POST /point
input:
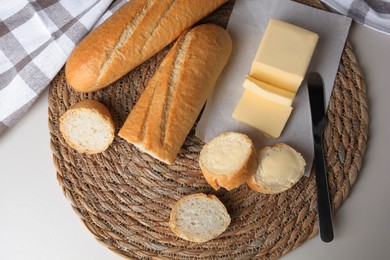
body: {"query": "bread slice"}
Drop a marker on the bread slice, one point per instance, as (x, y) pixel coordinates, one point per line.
(87, 127)
(228, 160)
(279, 168)
(199, 218)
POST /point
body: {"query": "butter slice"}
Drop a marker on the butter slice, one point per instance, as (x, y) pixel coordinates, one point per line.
(267, 116)
(284, 55)
(268, 91)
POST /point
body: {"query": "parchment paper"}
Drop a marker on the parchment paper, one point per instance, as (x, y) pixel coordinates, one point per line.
(246, 26)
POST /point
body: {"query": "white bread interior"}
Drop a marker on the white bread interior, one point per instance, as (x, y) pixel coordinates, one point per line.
(279, 168)
(87, 127)
(199, 218)
(228, 160)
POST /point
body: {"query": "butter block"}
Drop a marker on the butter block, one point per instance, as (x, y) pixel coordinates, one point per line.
(284, 55)
(268, 91)
(267, 116)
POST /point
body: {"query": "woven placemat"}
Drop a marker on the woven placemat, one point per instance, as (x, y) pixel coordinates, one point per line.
(124, 197)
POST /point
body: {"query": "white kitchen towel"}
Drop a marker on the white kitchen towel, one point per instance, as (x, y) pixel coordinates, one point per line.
(36, 38)
(372, 13)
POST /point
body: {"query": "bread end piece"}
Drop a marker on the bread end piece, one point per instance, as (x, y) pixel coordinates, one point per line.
(87, 127)
(228, 160)
(199, 218)
(279, 168)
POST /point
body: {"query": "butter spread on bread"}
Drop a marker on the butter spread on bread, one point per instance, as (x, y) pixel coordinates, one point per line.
(228, 160)
(133, 34)
(279, 168)
(167, 109)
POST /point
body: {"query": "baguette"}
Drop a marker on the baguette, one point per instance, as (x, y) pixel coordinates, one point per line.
(133, 34)
(228, 160)
(167, 109)
(87, 127)
(279, 168)
(199, 218)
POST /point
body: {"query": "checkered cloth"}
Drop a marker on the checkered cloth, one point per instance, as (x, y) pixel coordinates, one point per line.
(372, 13)
(36, 38)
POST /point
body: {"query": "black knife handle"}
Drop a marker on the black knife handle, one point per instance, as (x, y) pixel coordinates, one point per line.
(324, 208)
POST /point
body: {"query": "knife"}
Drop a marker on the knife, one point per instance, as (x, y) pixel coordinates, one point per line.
(317, 106)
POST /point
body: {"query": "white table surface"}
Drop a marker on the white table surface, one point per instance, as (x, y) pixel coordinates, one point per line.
(37, 222)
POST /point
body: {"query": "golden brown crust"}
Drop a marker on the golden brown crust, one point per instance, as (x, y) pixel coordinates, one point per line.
(263, 189)
(236, 179)
(137, 31)
(175, 95)
(96, 107)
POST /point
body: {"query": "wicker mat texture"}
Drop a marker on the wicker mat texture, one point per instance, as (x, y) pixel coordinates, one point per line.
(124, 197)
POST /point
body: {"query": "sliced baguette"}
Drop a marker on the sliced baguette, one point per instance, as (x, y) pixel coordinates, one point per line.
(167, 109)
(279, 168)
(199, 218)
(87, 127)
(133, 34)
(228, 160)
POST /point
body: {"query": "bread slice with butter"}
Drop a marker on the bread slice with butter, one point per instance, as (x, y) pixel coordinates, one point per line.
(87, 127)
(199, 218)
(228, 160)
(279, 168)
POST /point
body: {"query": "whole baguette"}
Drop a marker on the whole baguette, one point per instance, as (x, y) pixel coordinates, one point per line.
(167, 109)
(133, 34)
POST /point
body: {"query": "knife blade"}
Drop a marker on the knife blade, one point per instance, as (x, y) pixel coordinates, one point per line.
(317, 106)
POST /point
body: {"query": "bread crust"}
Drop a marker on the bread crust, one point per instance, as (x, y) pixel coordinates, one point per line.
(236, 179)
(176, 207)
(133, 34)
(251, 182)
(96, 107)
(167, 109)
